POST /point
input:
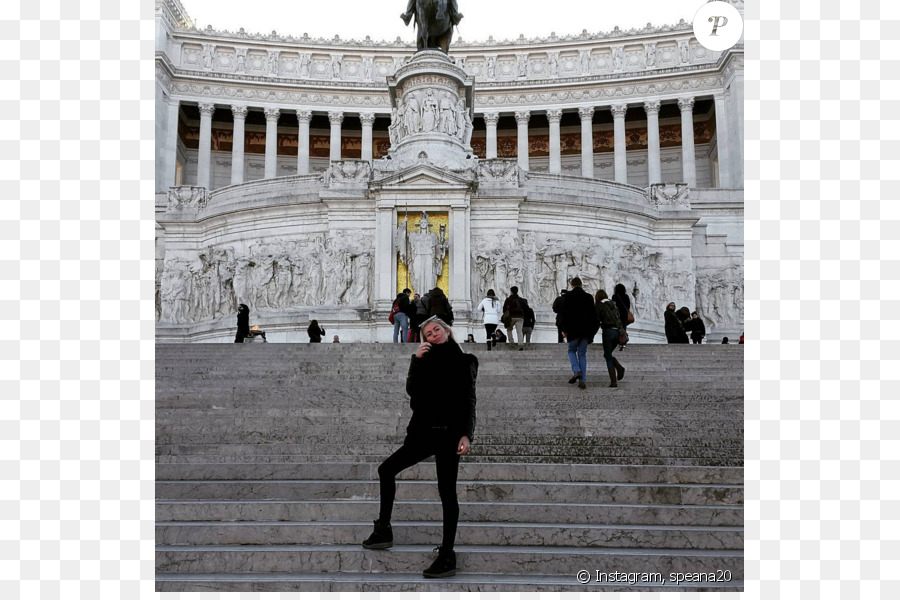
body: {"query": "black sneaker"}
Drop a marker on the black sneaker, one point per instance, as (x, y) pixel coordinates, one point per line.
(575, 377)
(381, 538)
(443, 566)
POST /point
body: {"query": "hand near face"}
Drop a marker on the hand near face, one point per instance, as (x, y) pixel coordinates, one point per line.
(423, 348)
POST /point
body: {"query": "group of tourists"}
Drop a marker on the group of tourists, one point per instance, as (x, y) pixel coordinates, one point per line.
(679, 322)
(409, 312)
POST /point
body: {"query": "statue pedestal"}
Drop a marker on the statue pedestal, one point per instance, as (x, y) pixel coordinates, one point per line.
(432, 101)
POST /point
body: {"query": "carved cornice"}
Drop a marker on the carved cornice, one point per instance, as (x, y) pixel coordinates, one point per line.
(495, 45)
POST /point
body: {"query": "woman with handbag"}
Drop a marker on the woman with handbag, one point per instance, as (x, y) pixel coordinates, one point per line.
(608, 315)
(626, 317)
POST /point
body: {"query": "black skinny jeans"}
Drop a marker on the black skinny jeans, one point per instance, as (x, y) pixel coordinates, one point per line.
(416, 448)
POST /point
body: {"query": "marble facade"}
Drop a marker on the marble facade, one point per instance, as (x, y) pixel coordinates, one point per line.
(283, 164)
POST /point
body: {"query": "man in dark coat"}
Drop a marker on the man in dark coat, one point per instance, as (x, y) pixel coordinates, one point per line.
(557, 308)
(579, 324)
(698, 331)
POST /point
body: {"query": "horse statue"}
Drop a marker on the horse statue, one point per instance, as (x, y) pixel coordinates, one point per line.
(435, 20)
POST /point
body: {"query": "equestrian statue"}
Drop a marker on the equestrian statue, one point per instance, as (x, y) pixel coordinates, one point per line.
(435, 20)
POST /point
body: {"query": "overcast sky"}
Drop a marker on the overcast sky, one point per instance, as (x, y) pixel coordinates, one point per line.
(504, 19)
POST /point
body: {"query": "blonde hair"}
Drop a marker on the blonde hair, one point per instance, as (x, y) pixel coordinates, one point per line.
(437, 320)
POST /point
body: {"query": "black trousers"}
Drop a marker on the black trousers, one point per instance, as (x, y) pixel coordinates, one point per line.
(416, 448)
(490, 328)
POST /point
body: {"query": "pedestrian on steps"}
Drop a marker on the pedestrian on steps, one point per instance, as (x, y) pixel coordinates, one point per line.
(315, 332)
(492, 309)
(579, 325)
(243, 324)
(441, 388)
(610, 324)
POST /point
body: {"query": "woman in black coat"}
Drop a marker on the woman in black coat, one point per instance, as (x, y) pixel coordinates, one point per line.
(316, 332)
(623, 303)
(243, 323)
(441, 388)
(674, 329)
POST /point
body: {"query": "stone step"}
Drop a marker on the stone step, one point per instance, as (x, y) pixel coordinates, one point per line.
(717, 461)
(428, 532)
(467, 471)
(414, 582)
(468, 490)
(411, 559)
(420, 510)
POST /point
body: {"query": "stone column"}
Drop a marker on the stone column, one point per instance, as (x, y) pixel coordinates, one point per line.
(334, 146)
(385, 255)
(654, 168)
(272, 115)
(554, 116)
(367, 120)
(237, 144)
(618, 112)
(723, 141)
(688, 161)
(522, 145)
(587, 140)
(170, 151)
(303, 119)
(204, 156)
(736, 101)
(490, 121)
(459, 251)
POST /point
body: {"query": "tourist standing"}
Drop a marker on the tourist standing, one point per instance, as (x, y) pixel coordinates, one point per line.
(437, 305)
(623, 303)
(243, 323)
(315, 332)
(515, 308)
(420, 315)
(528, 323)
(441, 388)
(674, 329)
(579, 323)
(491, 310)
(557, 308)
(610, 323)
(401, 319)
(698, 330)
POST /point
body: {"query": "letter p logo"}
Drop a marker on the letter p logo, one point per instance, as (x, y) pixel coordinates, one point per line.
(718, 26)
(717, 21)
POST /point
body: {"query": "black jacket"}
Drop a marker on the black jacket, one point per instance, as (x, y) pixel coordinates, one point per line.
(243, 321)
(438, 305)
(441, 388)
(578, 316)
(557, 308)
(530, 319)
(608, 315)
(315, 335)
(674, 329)
(515, 305)
(623, 303)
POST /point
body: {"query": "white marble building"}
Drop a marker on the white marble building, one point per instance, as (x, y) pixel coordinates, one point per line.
(283, 170)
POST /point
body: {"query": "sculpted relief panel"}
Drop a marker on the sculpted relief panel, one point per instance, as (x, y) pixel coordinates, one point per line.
(541, 265)
(277, 274)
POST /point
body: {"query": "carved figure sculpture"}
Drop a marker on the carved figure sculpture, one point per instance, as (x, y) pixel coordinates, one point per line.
(336, 66)
(522, 65)
(435, 20)
(413, 124)
(554, 65)
(684, 51)
(367, 68)
(423, 252)
(429, 112)
(619, 58)
(650, 58)
(304, 65)
(491, 66)
(448, 118)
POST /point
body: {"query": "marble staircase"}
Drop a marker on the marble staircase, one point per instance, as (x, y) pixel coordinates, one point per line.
(267, 457)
